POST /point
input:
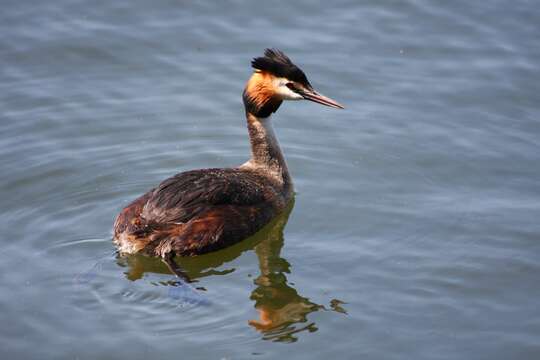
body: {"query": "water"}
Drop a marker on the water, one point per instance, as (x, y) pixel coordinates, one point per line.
(414, 233)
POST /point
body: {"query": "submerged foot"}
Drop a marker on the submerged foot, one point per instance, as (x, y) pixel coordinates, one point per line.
(175, 269)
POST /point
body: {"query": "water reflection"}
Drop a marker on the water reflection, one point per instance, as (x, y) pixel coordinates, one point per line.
(282, 311)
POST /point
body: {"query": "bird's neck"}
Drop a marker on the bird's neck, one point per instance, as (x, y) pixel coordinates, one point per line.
(266, 153)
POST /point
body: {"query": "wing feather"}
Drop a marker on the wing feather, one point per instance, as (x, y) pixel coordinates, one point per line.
(186, 195)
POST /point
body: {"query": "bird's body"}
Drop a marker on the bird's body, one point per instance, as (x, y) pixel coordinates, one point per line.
(199, 211)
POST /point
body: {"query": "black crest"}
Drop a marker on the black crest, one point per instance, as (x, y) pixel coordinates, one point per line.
(278, 64)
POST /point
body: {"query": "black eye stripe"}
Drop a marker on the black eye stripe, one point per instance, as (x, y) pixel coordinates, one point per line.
(295, 88)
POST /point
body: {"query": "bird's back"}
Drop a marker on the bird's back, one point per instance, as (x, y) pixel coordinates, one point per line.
(198, 211)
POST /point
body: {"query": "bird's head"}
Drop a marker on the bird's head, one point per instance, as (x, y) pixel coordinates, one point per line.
(277, 79)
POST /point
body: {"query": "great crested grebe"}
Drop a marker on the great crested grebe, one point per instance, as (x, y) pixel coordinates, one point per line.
(199, 211)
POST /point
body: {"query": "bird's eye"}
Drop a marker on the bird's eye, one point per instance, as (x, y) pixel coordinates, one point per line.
(291, 86)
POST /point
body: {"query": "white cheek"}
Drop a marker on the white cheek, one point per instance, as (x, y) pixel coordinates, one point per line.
(288, 94)
(284, 92)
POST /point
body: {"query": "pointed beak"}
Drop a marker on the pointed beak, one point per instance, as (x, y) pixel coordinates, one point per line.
(314, 96)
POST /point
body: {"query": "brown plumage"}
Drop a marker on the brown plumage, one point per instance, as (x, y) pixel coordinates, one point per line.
(199, 211)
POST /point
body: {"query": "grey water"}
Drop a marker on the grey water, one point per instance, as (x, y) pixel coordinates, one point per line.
(415, 231)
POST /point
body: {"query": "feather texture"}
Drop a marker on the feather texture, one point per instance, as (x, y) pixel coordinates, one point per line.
(198, 211)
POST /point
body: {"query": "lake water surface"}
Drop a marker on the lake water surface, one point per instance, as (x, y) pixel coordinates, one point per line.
(415, 231)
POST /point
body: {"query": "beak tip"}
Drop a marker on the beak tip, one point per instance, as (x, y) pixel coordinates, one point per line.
(336, 105)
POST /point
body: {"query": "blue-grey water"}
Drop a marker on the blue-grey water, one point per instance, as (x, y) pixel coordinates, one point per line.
(415, 232)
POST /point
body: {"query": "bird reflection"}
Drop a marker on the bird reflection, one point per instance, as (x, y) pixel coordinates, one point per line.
(282, 311)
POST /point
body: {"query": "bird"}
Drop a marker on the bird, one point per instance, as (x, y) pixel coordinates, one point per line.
(199, 211)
